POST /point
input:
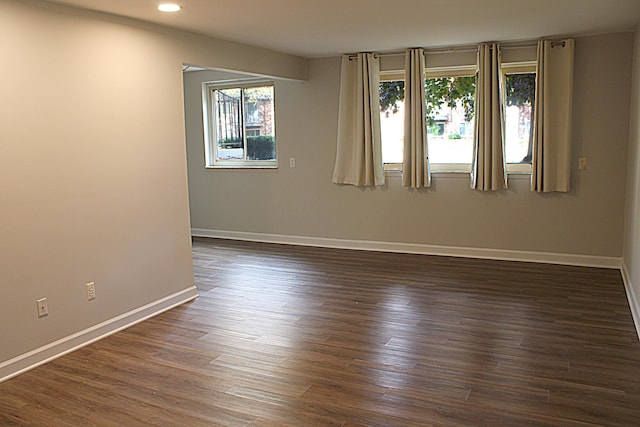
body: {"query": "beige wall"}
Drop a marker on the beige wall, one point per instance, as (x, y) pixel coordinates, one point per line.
(302, 201)
(632, 223)
(92, 165)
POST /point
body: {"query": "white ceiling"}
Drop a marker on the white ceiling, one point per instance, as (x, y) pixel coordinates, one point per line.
(317, 28)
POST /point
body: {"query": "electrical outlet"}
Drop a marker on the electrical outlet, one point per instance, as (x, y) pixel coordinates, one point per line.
(292, 162)
(43, 309)
(91, 290)
(582, 163)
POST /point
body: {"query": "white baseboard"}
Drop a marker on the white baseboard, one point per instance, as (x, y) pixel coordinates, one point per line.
(44, 354)
(416, 248)
(634, 302)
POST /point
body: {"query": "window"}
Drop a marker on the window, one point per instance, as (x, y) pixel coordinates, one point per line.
(240, 125)
(392, 122)
(450, 105)
(450, 96)
(450, 102)
(519, 86)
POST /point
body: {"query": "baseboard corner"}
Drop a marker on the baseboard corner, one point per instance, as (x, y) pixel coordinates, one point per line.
(634, 303)
(39, 356)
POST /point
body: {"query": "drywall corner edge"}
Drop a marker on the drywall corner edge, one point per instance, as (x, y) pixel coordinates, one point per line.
(44, 354)
(634, 303)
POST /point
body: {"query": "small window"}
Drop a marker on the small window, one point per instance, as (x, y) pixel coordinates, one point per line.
(520, 91)
(392, 123)
(240, 125)
(450, 101)
(450, 113)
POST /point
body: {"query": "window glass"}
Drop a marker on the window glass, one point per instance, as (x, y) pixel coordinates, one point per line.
(260, 142)
(519, 106)
(241, 126)
(229, 135)
(449, 119)
(450, 103)
(392, 120)
(450, 108)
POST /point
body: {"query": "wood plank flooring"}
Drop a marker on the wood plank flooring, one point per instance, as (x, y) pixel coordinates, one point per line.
(295, 336)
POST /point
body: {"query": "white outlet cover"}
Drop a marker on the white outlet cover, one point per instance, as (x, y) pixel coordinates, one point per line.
(43, 309)
(91, 290)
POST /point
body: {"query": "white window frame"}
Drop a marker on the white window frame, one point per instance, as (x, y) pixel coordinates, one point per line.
(209, 122)
(462, 71)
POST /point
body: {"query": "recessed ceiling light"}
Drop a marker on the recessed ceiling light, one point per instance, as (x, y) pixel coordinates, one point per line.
(169, 7)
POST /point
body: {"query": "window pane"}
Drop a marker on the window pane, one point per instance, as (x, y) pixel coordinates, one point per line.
(450, 110)
(392, 120)
(450, 114)
(229, 138)
(392, 128)
(258, 110)
(520, 94)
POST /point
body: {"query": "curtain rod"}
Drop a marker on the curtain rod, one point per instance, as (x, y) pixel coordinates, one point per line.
(378, 55)
(518, 46)
(462, 50)
(450, 51)
(475, 49)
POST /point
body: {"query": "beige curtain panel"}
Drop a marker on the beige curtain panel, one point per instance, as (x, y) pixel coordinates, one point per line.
(488, 171)
(551, 161)
(359, 147)
(415, 166)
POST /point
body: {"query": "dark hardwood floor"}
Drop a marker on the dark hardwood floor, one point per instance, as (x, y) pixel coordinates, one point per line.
(295, 336)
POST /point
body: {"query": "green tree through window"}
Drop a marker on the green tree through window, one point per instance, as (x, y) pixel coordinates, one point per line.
(520, 92)
(439, 92)
(460, 92)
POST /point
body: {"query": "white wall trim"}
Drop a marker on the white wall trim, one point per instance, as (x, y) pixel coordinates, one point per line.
(46, 353)
(634, 302)
(417, 248)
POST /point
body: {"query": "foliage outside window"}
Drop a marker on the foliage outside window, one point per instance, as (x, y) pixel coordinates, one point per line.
(450, 110)
(240, 125)
(520, 89)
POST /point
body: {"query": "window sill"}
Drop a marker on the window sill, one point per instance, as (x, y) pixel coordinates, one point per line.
(241, 167)
(460, 168)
